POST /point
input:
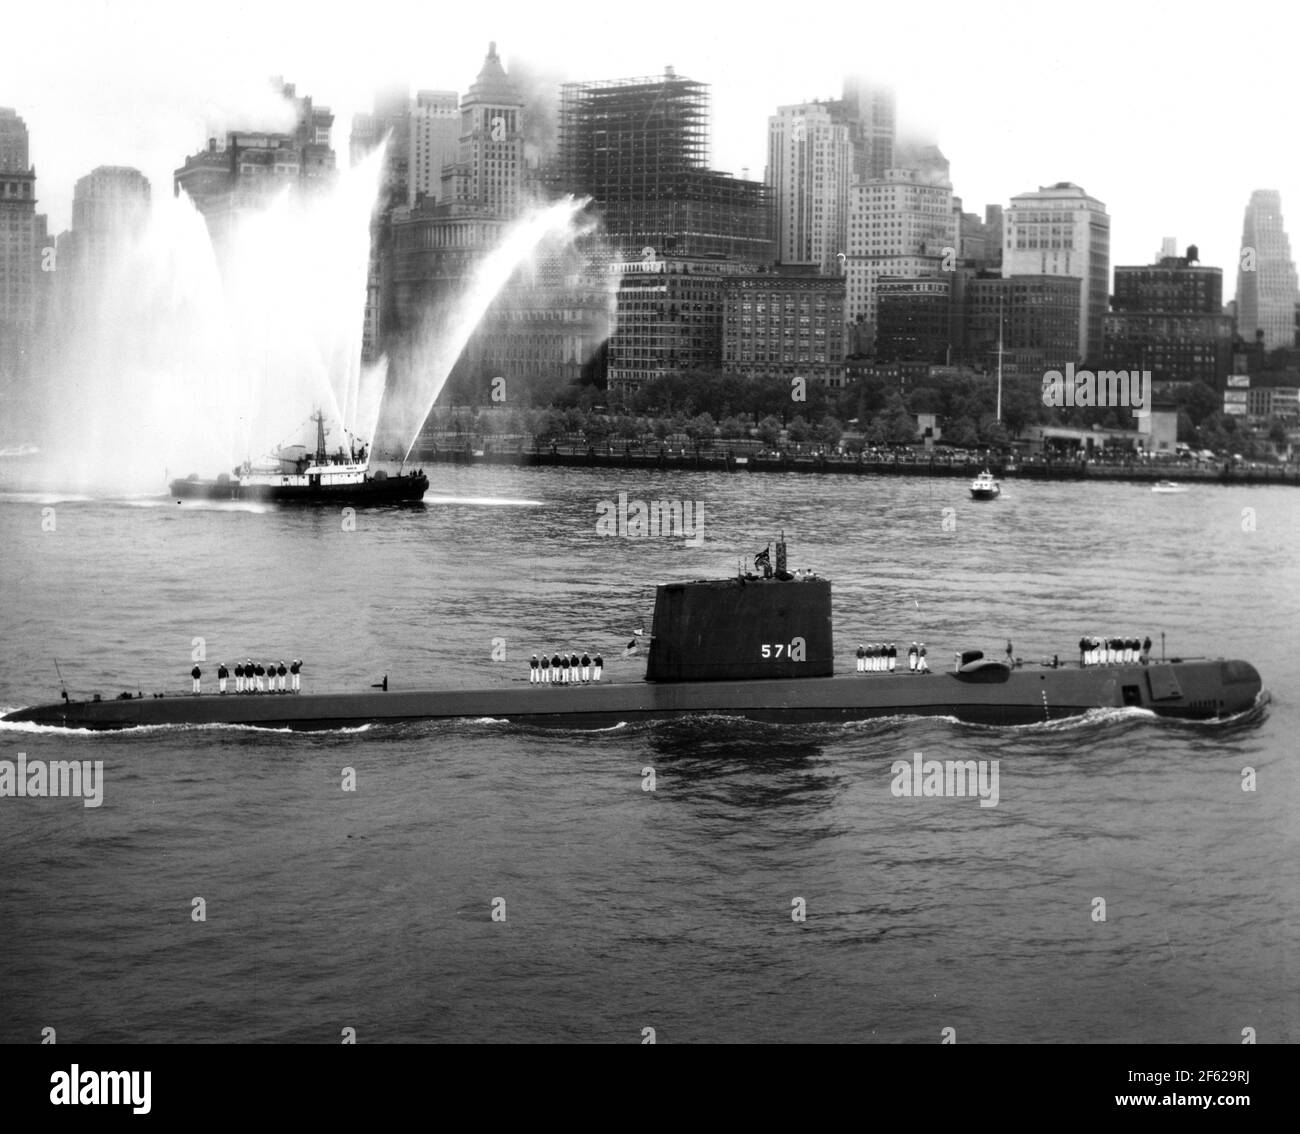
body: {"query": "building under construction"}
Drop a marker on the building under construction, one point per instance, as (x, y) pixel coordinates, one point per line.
(640, 149)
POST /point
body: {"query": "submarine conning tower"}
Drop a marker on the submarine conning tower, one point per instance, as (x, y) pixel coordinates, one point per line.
(753, 626)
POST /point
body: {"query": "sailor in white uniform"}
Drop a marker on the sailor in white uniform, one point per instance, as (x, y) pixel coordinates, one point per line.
(196, 673)
(862, 658)
(922, 666)
(597, 665)
(532, 670)
(911, 657)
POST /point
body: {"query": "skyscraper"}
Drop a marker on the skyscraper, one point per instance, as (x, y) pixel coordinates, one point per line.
(13, 141)
(640, 149)
(252, 167)
(389, 122)
(22, 238)
(434, 141)
(901, 226)
(1266, 275)
(809, 167)
(547, 321)
(110, 207)
(489, 169)
(869, 111)
(1060, 231)
(1168, 318)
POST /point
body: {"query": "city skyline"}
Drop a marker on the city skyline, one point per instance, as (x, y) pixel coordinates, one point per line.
(142, 85)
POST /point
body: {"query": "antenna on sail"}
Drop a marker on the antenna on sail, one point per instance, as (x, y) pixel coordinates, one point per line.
(63, 687)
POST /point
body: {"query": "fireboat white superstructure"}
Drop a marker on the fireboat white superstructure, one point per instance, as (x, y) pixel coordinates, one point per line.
(294, 475)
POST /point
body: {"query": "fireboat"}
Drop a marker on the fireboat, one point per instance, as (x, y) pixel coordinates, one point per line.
(295, 476)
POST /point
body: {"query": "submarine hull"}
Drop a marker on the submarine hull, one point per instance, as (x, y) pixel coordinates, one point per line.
(1192, 690)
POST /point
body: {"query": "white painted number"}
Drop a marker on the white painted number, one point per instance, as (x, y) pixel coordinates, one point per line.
(795, 651)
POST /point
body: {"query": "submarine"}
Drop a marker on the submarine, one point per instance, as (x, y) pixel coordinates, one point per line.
(754, 646)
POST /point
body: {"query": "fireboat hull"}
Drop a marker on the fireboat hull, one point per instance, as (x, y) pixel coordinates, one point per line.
(373, 490)
(1191, 690)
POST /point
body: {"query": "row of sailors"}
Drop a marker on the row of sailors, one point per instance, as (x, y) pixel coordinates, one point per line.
(881, 657)
(1102, 651)
(565, 669)
(249, 678)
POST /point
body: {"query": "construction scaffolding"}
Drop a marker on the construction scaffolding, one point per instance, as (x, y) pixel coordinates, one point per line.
(623, 138)
(640, 149)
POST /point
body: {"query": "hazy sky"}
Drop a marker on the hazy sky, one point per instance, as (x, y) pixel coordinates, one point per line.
(1169, 113)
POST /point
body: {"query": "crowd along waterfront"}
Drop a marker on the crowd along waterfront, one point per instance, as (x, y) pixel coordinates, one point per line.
(898, 461)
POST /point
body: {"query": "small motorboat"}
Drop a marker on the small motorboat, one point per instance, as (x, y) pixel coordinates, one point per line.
(1168, 486)
(984, 487)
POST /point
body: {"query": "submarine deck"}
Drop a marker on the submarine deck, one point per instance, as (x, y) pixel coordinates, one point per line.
(1199, 689)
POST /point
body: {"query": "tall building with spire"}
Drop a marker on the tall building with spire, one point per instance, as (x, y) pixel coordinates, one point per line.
(1059, 230)
(489, 170)
(1266, 274)
(809, 168)
(545, 323)
(22, 239)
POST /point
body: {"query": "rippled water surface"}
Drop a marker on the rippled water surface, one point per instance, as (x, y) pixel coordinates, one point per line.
(625, 908)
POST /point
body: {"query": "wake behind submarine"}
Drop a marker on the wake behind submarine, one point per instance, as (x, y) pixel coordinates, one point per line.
(758, 647)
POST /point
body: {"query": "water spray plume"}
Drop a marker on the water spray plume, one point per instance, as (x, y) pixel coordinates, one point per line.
(445, 334)
(189, 357)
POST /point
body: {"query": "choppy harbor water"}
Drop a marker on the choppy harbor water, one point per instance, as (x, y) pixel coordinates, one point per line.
(627, 909)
